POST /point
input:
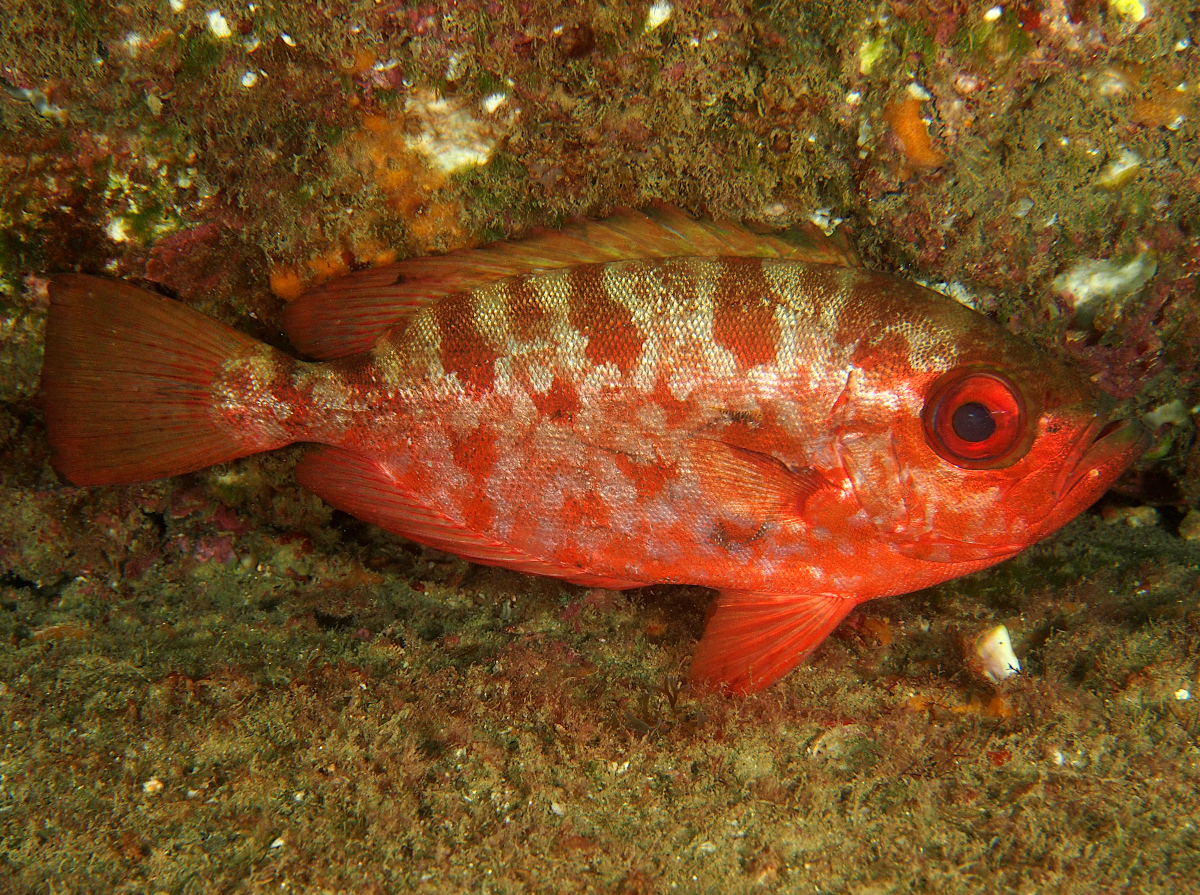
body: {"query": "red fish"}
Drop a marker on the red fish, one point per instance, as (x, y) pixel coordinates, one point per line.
(645, 400)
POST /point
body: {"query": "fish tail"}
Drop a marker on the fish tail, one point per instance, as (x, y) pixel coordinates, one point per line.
(136, 386)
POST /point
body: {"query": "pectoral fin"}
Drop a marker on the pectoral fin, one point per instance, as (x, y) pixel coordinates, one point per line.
(750, 486)
(752, 640)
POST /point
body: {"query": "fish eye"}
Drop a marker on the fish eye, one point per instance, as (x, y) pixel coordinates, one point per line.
(973, 422)
(975, 419)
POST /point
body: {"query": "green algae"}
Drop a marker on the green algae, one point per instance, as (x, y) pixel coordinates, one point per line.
(199, 54)
(992, 45)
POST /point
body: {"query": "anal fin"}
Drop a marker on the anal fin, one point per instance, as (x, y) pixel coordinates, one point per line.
(364, 489)
(752, 640)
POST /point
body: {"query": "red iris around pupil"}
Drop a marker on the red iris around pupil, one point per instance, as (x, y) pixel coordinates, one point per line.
(970, 441)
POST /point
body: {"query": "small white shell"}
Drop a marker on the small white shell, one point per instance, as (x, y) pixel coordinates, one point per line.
(996, 655)
(658, 13)
(218, 24)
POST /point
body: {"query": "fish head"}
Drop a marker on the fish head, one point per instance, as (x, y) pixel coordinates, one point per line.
(965, 444)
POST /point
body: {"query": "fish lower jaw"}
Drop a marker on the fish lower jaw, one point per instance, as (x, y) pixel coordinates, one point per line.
(1116, 444)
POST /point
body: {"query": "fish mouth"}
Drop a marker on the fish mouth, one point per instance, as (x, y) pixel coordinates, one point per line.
(1102, 453)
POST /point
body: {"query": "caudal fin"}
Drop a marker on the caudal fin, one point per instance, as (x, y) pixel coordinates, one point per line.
(127, 384)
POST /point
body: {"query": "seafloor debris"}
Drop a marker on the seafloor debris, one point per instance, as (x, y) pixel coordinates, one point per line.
(1091, 284)
(904, 118)
(993, 648)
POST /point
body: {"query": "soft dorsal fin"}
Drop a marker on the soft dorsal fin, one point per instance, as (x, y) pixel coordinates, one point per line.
(347, 315)
(752, 640)
(753, 488)
(365, 490)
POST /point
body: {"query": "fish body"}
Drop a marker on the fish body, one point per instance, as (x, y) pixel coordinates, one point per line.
(650, 400)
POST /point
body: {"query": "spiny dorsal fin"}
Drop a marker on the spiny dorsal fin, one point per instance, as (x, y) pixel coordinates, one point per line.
(347, 315)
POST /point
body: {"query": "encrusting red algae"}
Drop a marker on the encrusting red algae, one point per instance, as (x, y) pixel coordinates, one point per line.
(648, 399)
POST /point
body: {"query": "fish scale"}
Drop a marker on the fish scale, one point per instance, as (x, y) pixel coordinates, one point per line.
(640, 401)
(581, 456)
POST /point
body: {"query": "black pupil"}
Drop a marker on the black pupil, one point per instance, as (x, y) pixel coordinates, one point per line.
(973, 422)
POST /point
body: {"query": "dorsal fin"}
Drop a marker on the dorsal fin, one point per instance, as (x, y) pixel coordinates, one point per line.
(347, 315)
